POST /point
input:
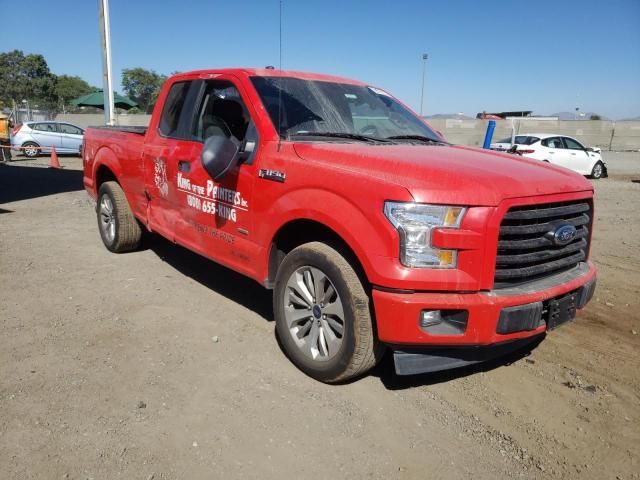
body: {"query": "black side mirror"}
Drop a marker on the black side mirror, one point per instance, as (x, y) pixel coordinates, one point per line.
(588, 149)
(219, 155)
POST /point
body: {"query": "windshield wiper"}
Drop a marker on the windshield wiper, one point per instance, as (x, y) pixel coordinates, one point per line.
(349, 136)
(420, 138)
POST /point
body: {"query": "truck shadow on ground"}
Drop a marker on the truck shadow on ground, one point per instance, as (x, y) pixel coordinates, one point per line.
(225, 282)
(22, 183)
(244, 291)
(386, 373)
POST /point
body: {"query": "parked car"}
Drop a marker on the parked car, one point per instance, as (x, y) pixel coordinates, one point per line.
(372, 231)
(31, 138)
(557, 149)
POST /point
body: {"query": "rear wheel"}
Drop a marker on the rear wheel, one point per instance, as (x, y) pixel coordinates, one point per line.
(598, 170)
(119, 229)
(322, 313)
(31, 149)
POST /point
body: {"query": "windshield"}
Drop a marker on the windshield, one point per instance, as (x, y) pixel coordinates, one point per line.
(311, 106)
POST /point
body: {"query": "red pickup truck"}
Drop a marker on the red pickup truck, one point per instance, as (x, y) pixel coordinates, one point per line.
(372, 231)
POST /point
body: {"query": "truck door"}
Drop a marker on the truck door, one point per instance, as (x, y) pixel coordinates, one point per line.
(215, 217)
(164, 145)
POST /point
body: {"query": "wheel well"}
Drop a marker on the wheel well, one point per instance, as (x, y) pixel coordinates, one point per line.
(299, 232)
(104, 174)
(30, 142)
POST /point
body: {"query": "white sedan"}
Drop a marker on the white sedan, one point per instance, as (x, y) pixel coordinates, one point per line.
(559, 150)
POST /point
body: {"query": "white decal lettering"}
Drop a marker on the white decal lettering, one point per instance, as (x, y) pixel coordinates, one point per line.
(212, 199)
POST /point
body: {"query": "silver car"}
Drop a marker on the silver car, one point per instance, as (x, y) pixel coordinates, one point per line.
(31, 138)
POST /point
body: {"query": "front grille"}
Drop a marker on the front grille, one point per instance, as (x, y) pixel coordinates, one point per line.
(526, 249)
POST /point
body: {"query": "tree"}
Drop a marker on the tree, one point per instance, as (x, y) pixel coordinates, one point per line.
(595, 116)
(70, 87)
(26, 77)
(142, 86)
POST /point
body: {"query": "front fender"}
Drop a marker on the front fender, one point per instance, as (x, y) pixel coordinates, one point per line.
(362, 227)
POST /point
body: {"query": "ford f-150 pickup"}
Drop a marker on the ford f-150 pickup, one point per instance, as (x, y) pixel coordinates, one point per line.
(373, 232)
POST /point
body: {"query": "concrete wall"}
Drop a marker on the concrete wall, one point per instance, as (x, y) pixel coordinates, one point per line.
(619, 136)
(593, 133)
(93, 119)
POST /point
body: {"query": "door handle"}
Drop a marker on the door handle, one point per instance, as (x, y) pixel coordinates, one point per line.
(573, 153)
(184, 166)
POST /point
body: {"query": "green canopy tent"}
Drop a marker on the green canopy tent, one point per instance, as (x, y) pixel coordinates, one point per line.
(96, 99)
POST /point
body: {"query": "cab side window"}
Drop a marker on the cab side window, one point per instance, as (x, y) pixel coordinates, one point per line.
(572, 144)
(173, 105)
(45, 127)
(554, 142)
(221, 112)
(70, 129)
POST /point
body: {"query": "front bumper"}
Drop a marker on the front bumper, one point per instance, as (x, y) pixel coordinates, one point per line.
(414, 361)
(494, 317)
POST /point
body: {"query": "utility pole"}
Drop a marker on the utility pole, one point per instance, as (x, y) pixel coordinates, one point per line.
(107, 79)
(424, 69)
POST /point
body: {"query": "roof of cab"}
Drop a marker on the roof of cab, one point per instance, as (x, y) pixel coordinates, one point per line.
(267, 72)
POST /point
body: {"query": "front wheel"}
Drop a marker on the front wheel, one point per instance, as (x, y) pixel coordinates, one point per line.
(119, 229)
(597, 171)
(322, 313)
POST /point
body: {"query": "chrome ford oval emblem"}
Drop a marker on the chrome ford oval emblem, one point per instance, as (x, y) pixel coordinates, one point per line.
(563, 234)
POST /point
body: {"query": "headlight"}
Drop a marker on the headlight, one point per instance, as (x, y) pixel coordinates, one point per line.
(414, 222)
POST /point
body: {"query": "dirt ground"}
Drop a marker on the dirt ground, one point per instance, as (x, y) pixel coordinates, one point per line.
(109, 367)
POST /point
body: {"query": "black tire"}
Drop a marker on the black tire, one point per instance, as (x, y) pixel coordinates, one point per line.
(32, 152)
(598, 170)
(359, 350)
(126, 233)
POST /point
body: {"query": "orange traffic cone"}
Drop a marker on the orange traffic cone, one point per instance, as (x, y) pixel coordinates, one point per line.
(54, 159)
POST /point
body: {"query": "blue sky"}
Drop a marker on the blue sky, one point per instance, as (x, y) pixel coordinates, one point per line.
(547, 56)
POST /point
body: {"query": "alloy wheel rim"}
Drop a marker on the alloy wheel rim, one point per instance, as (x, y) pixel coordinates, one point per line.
(314, 313)
(597, 170)
(107, 219)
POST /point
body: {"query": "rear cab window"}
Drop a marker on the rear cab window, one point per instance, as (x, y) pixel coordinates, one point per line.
(171, 112)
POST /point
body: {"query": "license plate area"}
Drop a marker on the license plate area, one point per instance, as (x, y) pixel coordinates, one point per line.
(560, 310)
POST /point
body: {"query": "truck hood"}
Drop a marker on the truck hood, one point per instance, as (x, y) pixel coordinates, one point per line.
(447, 174)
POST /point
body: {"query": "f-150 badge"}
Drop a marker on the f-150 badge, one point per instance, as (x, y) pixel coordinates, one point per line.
(274, 175)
